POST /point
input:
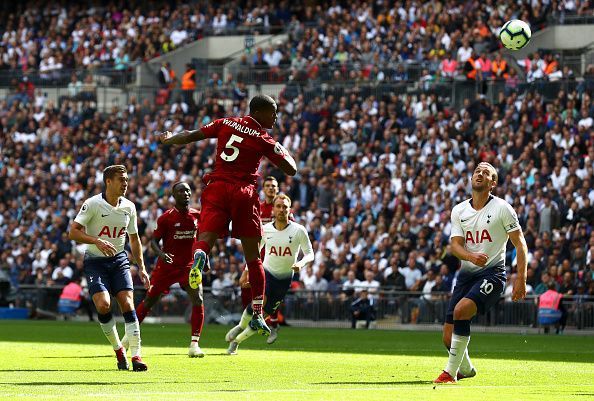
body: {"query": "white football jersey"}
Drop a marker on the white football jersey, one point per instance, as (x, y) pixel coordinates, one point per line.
(282, 248)
(484, 231)
(107, 222)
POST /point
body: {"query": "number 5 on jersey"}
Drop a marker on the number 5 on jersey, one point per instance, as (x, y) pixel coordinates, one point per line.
(229, 145)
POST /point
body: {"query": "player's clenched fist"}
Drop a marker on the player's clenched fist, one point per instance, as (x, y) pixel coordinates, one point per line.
(479, 259)
(105, 247)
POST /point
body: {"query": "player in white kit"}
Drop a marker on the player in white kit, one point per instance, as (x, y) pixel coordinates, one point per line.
(481, 227)
(103, 222)
(282, 241)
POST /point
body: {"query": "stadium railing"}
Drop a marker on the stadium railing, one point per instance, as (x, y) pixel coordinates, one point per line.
(243, 29)
(315, 308)
(104, 75)
(570, 18)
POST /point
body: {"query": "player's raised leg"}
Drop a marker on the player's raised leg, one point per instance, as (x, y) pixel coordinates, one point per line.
(204, 245)
(196, 321)
(102, 303)
(241, 332)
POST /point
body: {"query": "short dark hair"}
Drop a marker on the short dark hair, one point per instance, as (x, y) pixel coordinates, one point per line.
(111, 171)
(175, 184)
(270, 178)
(261, 102)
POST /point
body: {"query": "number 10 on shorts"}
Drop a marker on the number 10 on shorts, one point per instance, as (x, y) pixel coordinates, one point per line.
(486, 287)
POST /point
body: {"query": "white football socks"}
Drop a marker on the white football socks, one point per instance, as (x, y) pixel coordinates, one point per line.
(245, 319)
(466, 366)
(456, 354)
(111, 332)
(244, 335)
(133, 334)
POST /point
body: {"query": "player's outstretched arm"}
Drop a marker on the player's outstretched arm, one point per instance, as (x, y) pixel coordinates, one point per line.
(459, 251)
(288, 165)
(519, 289)
(78, 233)
(136, 248)
(182, 138)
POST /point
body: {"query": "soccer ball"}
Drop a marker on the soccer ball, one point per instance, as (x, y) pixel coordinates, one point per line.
(515, 34)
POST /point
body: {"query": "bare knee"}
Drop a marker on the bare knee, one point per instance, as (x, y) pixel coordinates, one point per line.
(103, 306)
(125, 300)
(465, 309)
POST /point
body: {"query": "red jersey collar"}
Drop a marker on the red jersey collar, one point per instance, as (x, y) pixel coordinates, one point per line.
(254, 120)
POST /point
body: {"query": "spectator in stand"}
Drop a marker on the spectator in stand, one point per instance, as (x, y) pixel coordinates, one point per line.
(362, 310)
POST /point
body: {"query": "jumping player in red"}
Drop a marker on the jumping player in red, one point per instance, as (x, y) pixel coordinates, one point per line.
(231, 193)
(178, 229)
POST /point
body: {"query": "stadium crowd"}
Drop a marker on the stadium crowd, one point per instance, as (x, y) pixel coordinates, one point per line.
(326, 40)
(378, 172)
(47, 37)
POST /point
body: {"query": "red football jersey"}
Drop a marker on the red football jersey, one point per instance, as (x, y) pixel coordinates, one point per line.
(179, 231)
(266, 212)
(241, 144)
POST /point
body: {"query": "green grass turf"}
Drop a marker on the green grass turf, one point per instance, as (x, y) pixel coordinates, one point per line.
(63, 360)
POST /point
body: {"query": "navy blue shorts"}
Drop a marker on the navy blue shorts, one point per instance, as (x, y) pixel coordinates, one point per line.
(484, 289)
(276, 289)
(108, 274)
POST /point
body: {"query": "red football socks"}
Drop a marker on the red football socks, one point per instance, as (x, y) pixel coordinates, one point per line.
(257, 281)
(204, 246)
(197, 320)
(246, 297)
(273, 320)
(141, 312)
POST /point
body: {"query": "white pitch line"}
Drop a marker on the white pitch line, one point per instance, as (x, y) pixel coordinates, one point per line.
(427, 386)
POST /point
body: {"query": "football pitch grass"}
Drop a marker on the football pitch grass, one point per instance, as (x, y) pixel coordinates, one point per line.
(72, 361)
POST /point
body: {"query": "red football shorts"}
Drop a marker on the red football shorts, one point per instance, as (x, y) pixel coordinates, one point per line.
(223, 202)
(164, 277)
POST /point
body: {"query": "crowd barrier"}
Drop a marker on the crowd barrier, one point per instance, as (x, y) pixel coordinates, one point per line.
(392, 308)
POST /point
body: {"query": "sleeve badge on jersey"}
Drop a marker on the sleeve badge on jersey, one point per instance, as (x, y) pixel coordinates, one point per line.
(84, 207)
(512, 226)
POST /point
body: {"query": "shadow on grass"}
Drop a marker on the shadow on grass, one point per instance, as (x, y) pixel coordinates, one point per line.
(164, 339)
